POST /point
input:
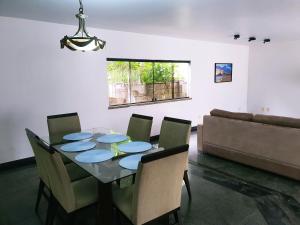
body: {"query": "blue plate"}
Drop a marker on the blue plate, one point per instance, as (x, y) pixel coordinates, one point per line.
(135, 147)
(77, 136)
(94, 156)
(112, 138)
(131, 162)
(78, 146)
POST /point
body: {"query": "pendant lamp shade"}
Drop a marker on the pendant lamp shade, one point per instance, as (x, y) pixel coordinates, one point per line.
(81, 40)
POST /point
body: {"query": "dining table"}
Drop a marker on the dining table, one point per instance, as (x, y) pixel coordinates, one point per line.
(106, 173)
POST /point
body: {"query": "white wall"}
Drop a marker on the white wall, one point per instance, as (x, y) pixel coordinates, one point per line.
(274, 79)
(39, 79)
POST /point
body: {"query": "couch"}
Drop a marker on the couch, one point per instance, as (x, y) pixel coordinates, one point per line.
(270, 143)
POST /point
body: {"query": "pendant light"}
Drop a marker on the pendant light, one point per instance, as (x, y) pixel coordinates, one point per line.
(81, 40)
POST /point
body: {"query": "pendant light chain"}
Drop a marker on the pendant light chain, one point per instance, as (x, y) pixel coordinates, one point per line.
(81, 6)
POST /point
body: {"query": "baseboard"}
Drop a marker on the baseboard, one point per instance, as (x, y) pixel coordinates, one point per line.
(154, 138)
(193, 129)
(17, 163)
(31, 160)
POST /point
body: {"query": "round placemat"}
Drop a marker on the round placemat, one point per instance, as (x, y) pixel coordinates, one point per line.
(135, 147)
(131, 162)
(78, 146)
(112, 138)
(94, 156)
(77, 136)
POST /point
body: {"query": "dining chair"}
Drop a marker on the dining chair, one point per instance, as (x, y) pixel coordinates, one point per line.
(74, 172)
(139, 127)
(157, 189)
(42, 171)
(70, 196)
(60, 125)
(176, 132)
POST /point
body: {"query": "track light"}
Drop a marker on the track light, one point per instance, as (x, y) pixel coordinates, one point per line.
(252, 39)
(236, 36)
(267, 40)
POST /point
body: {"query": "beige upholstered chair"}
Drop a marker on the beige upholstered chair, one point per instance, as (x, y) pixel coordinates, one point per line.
(74, 172)
(60, 125)
(71, 196)
(157, 189)
(175, 132)
(139, 127)
(42, 170)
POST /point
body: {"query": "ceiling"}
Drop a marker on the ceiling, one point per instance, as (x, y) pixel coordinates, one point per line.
(213, 20)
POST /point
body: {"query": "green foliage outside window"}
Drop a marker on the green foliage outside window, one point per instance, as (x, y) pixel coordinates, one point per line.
(141, 72)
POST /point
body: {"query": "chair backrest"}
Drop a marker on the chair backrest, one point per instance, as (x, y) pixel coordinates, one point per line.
(174, 132)
(58, 177)
(60, 125)
(158, 184)
(39, 157)
(139, 127)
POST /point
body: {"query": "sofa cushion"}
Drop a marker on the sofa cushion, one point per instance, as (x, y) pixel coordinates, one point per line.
(231, 115)
(277, 120)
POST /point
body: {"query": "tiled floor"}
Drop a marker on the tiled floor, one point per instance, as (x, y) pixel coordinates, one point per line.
(224, 193)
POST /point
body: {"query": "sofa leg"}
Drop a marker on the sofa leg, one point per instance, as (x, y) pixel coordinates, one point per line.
(187, 184)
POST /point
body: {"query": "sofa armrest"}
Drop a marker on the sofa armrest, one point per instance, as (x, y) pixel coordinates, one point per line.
(200, 137)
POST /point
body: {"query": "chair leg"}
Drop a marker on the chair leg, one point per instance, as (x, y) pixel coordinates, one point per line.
(52, 209)
(187, 184)
(177, 217)
(71, 218)
(40, 192)
(118, 217)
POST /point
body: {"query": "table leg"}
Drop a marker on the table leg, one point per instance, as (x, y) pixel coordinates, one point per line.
(105, 204)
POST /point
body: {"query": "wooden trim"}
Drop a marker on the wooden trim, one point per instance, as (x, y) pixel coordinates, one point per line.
(142, 117)
(149, 103)
(177, 120)
(147, 60)
(162, 154)
(62, 115)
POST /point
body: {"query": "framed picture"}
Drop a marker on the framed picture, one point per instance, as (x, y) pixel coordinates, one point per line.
(223, 72)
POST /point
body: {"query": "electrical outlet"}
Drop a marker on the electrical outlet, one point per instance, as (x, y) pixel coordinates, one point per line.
(262, 109)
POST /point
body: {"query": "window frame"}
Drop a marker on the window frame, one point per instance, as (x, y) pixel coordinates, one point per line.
(154, 100)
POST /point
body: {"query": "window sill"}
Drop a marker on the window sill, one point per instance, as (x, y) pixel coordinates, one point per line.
(149, 103)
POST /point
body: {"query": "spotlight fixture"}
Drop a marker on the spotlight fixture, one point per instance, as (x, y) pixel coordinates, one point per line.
(267, 40)
(236, 36)
(252, 39)
(81, 40)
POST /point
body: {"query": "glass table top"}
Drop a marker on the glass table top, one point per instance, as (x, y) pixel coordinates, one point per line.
(107, 171)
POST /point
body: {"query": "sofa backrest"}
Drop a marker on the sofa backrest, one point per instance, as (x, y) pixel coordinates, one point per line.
(277, 143)
(277, 120)
(232, 115)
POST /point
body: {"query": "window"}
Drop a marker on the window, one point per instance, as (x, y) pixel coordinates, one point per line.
(141, 81)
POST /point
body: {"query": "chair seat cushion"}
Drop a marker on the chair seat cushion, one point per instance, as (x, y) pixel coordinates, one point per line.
(85, 192)
(122, 198)
(76, 172)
